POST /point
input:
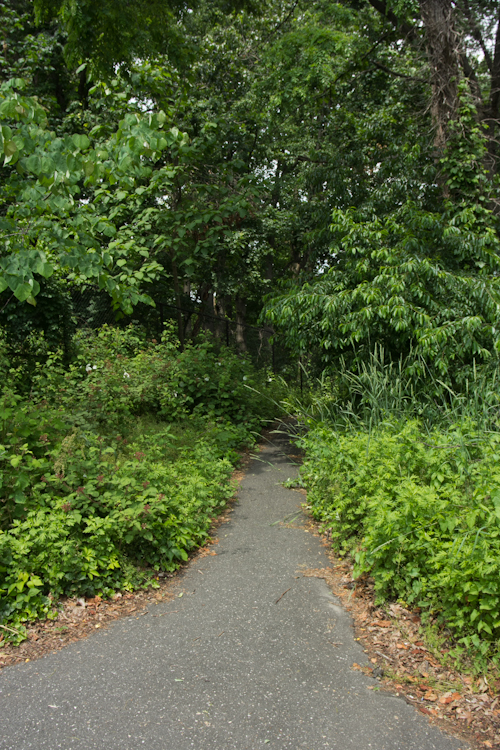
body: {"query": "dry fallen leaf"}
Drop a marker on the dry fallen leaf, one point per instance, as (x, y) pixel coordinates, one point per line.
(448, 698)
(430, 696)
(424, 668)
(482, 684)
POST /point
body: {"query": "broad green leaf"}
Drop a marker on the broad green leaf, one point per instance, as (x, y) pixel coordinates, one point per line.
(34, 164)
(45, 269)
(81, 141)
(23, 291)
(9, 148)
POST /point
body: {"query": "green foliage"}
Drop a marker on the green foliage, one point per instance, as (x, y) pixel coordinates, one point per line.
(119, 375)
(463, 161)
(414, 282)
(406, 481)
(32, 333)
(420, 512)
(95, 493)
(381, 390)
(221, 384)
(47, 220)
(109, 32)
(207, 164)
(28, 434)
(101, 509)
(275, 120)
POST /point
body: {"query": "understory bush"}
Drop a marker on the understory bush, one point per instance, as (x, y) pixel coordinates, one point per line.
(415, 502)
(420, 511)
(105, 516)
(118, 376)
(113, 467)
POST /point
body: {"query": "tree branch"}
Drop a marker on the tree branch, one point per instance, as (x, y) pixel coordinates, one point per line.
(475, 32)
(394, 73)
(495, 76)
(283, 22)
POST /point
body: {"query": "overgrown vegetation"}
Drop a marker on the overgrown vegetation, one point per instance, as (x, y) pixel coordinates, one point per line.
(113, 469)
(325, 171)
(407, 483)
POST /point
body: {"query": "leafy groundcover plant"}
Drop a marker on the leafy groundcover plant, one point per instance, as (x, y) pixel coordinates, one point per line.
(108, 516)
(419, 509)
(113, 468)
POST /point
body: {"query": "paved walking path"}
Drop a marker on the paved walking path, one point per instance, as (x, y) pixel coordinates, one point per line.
(225, 666)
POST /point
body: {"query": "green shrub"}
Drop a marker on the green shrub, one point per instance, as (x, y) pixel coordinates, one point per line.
(113, 467)
(104, 514)
(28, 434)
(420, 511)
(118, 376)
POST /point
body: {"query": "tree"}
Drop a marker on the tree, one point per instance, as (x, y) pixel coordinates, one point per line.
(462, 43)
(411, 265)
(415, 283)
(54, 210)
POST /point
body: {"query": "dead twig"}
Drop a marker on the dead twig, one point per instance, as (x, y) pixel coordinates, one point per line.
(12, 630)
(282, 595)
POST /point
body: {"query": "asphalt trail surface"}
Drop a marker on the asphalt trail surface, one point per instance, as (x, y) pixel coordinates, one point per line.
(229, 664)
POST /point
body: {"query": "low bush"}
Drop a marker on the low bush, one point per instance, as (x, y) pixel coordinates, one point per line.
(112, 467)
(105, 515)
(118, 376)
(419, 510)
(404, 473)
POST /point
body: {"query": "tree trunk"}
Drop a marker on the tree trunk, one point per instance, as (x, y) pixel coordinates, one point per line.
(240, 324)
(210, 322)
(493, 114)
(83, 89)
(443, 51)
(178, 300)
(221, 313)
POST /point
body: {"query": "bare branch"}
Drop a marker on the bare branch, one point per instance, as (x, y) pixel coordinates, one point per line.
(475, 32)
(395, 73)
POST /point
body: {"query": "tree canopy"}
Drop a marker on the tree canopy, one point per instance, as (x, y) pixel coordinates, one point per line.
(330, 168)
